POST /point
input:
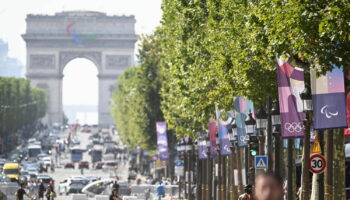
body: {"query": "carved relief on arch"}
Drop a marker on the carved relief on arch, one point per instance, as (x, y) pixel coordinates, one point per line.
(66, 56)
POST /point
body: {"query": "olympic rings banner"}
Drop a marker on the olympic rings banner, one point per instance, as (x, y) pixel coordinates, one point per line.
(328, 99)
(290, 85)
(162, 141)
(242, 108)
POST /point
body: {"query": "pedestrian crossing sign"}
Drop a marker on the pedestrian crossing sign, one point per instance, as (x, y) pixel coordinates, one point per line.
(261, 162)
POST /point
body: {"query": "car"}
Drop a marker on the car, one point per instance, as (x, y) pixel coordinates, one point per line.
(72, 185)
(83, 164)
(86, 130)
(99, 165)
(93, 178)
(69, 165)
(132, 175)
(110, 165)
(47, 180)
(47, 161)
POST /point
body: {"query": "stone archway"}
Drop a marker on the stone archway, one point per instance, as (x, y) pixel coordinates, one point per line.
(53, 41)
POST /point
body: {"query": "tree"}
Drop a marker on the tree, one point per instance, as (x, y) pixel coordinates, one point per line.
(136, 107)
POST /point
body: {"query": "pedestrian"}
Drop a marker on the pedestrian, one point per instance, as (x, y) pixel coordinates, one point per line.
(115, 185)
(114, 195)
(41, 190)
(268, 187)
(160, 191)
(248, 193)
(21, 192)
(50, 193)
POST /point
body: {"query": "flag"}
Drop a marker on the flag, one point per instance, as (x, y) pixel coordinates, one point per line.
(242, 108)
(162, 141)
(212, 138)
(225, 143)
(328, 99)
(202, 149)
(290, 85)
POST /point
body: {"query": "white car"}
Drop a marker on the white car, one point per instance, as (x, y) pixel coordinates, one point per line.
(72, 185)
(47, 161)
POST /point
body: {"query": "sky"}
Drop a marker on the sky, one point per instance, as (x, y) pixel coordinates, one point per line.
(12, 21)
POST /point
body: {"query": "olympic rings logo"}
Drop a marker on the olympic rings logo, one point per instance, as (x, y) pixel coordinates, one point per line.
(294, 127)
(244, 138)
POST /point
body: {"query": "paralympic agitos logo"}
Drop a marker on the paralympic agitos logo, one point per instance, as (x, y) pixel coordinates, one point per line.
(78, 38)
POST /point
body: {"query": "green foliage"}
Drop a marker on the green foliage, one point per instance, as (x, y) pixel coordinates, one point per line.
(20, 104)
(136, 101)
(214, 50)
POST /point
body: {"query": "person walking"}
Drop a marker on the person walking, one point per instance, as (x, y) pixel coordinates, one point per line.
(50, 193)
(160, 191)
(21, 192)
(41, 190)
(3, 196)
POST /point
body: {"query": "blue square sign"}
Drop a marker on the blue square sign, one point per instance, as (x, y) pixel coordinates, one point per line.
(261, 162)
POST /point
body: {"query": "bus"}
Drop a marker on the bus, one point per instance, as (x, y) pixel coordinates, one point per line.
(96, 153)
(76, 154)
(33, 151)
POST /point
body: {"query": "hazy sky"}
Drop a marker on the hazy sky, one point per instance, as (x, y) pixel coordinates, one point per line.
(13, 14)
(12, 21)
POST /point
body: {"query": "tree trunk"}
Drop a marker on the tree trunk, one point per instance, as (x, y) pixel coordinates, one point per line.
(339, 165)
(305, 185)
(328, 176)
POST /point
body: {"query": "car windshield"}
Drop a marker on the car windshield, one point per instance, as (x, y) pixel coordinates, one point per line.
(79, 182)
(11, 171)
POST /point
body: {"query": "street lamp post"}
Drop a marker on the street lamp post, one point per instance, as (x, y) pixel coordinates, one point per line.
(276, 123)
(180, 150)
(232, 161)
(307, 108)
(250, 129)
(261, 124)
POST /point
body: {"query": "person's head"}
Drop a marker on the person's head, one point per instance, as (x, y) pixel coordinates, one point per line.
(248, 189)
(23, 185)
(114, 192)
(268, 187)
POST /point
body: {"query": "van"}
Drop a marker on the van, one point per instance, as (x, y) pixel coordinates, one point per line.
(12, 170)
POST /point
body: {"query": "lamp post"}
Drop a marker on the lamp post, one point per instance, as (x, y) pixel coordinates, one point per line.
(250, 130)
(306, 98)
(180, 151)
(232, 161)
(188, 152)
(276, 124)
(261, 124)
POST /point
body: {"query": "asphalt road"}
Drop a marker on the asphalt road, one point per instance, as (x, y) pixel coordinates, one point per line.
(60, 173)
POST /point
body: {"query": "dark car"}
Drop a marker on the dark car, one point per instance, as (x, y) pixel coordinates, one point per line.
(84, 164)
(69, 165)
(99, 165)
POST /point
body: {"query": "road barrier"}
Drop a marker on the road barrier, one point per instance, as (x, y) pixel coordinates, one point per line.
(9, 189)
(79, 197)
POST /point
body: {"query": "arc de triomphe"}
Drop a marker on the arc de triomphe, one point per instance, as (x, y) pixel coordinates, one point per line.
(54, 40)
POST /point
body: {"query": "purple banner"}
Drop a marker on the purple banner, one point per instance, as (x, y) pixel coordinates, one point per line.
(328, 99)
(212, 138)
(290, 85)
(242, 108)
(202, 149)
(162, 141)
(225, 144)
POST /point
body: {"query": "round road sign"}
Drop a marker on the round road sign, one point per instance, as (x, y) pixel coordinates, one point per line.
(317, 163)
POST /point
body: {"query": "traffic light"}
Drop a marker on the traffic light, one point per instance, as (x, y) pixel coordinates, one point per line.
(253, 145)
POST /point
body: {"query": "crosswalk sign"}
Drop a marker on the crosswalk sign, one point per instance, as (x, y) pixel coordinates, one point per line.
(261, 162)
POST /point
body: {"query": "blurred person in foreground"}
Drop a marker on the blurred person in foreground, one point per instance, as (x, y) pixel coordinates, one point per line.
(268, 187)
(114, 195)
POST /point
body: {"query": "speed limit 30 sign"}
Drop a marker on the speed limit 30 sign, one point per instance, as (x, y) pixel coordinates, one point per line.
(317, 163)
